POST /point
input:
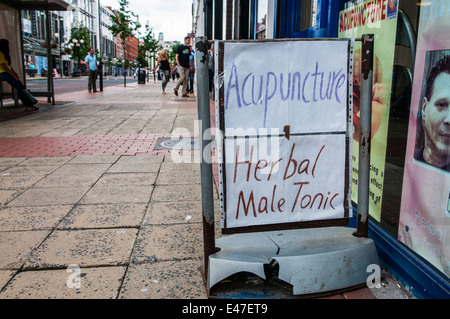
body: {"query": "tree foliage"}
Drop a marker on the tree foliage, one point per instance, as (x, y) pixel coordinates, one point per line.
(124, 25)
(150, 44)
(81, 46)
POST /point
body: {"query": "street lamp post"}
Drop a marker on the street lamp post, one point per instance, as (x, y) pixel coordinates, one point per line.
(138, 25)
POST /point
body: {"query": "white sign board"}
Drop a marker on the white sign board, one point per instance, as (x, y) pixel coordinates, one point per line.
(285, 117)
(299, 83)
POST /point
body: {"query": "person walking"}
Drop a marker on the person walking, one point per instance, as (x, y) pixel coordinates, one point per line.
(8, 74)
(174, 72)
(164, 66)
(91, 64)
(191, 72)
(211, 69)
(182, 56)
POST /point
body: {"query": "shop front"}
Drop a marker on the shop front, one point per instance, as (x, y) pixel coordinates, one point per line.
(409, 201)
(409, 197)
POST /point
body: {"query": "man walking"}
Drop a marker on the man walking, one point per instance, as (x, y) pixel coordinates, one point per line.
(91, 63)
(182, 56)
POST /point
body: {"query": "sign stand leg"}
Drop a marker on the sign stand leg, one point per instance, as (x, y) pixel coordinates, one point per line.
(201, 63)
(365, 133)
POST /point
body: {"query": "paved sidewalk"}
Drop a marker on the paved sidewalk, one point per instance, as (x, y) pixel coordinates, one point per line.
(75, 193)
(84, 190)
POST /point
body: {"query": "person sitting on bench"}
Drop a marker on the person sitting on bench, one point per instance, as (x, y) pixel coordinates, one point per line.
(8, 74)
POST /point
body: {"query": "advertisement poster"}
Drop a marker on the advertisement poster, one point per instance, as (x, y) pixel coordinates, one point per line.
(425, 209)
(378, 18)
(41, 63)
(285, 122)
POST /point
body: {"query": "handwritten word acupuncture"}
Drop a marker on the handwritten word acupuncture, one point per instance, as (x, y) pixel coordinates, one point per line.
(271, 88)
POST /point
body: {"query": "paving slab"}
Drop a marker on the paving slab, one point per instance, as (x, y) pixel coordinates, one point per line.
(168, 242)
(96, 247)
(131, 166)
(136, 179)
(6, 276)
(164, 280)
(39, 161)
(160, 213)
(104, 216)
(11, 161)
(7, 196)
(49, 196)
(32, 218)
(16, 247)
(74, 175)
(92, 283)
(117, 194)
(30, 170)
(83, 159)
(179, 192)
(8, 181)
(187, 177)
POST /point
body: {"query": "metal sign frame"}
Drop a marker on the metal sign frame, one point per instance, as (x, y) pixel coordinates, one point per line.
(203, 102)
(220, 122)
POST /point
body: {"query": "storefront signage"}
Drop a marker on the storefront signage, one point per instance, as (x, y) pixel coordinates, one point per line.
(378, 17)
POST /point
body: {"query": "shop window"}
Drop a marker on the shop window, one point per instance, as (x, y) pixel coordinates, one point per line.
(261, 19)
(295, 18)
(304, 14)
(401, 91)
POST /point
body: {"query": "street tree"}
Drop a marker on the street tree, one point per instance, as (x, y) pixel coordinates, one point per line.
(150, 44)
(79, 43)
(124, 25)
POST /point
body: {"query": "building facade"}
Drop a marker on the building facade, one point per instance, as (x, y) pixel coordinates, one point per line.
(34, 39)
(89, 13)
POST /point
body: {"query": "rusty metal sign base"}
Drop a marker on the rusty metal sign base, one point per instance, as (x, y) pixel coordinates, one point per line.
(311, 260)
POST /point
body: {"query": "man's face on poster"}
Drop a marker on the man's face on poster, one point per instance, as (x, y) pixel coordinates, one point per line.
(436, 115)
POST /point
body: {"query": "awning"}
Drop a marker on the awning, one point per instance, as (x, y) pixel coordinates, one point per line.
(32, 44)
(55, 5)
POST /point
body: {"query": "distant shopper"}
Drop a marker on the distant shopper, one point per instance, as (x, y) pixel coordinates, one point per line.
(211, 68)
(91, 64)
(174, 72)
(191, 72)
(8, 74)
(164, 66)
(182, 56)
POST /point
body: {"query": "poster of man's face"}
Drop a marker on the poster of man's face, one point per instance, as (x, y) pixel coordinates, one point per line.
(433, 134)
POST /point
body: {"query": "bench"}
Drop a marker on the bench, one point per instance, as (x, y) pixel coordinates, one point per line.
(14, 94)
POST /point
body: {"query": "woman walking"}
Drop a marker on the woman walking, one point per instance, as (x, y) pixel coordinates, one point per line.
(164, 67)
